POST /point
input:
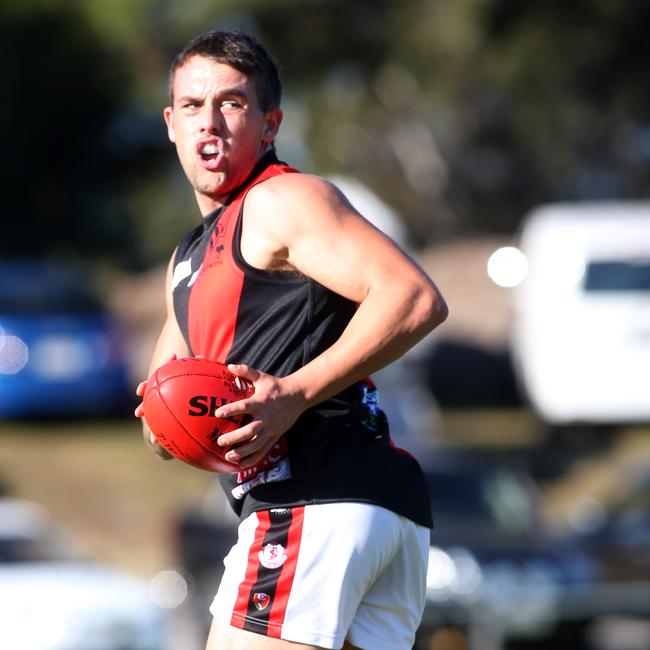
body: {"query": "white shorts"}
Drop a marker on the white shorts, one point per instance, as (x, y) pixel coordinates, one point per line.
(321, 574)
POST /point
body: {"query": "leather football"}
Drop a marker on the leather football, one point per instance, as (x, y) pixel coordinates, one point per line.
(179, 403)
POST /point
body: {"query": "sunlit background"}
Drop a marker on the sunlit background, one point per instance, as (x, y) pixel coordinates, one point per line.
(504, 144)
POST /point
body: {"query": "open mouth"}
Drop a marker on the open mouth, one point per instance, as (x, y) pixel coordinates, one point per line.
(210, 154)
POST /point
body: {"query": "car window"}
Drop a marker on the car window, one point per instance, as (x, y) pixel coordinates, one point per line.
(19, 549)
(618, 275)
(510, 503)
(493, 499)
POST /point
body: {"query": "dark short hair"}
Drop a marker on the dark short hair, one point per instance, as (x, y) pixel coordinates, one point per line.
(240, 51)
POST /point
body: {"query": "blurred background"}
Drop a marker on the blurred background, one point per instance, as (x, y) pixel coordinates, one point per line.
(506, 145)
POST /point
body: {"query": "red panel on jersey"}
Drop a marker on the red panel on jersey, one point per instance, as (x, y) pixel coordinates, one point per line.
(218, 288)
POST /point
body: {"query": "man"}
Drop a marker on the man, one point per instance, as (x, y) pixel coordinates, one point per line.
(287, 282)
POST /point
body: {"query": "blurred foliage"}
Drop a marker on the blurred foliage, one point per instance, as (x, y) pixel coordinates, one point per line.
(462, 114)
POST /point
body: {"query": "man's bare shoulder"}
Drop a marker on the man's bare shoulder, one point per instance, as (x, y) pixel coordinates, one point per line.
(289, 212)
(289, 195)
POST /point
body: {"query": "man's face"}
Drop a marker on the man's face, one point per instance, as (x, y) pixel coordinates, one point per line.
(217, 125)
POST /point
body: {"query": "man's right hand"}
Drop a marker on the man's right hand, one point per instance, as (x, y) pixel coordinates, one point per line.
(170, 338)
(149, 438)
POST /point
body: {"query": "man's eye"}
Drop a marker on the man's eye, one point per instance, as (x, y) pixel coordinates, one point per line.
(231, 103)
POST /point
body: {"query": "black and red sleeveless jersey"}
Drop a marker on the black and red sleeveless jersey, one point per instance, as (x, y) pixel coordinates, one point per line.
(277, 321)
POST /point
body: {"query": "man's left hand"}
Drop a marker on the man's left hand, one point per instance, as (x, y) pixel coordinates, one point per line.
(272, 410)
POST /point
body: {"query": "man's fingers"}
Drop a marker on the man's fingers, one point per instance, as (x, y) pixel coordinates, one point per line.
(139, 391)
(142, 386)
(246, 458)
(242, 435)
(234, 408)
(244, 371)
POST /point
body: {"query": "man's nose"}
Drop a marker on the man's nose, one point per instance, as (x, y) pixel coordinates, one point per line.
(211, 119)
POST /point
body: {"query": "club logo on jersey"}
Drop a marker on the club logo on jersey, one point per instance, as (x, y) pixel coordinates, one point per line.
(261, 600)
(216, 241)
(370, 401)
(272, 556)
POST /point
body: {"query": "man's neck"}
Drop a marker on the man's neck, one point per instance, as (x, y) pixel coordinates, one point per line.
(209, 204)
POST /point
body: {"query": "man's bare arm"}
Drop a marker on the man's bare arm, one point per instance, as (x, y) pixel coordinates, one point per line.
(170, 344)
(317, 232)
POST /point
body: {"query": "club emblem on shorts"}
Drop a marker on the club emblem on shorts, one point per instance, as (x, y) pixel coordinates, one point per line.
(272, 556)
(261, 600)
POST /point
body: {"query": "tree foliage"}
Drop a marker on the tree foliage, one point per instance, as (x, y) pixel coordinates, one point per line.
(58, 170)
(461, 114)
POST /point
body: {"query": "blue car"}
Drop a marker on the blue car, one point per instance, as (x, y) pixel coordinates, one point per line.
(61, 354)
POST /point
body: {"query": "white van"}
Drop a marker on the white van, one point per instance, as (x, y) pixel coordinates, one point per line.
(581, 337)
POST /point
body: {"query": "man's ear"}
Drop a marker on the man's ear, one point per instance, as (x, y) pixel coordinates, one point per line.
(272, 121)
(168, 114)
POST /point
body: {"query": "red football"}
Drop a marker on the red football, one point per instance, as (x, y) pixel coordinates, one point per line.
(179, 404)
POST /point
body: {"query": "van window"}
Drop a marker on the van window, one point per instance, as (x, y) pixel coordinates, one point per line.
(618, 275)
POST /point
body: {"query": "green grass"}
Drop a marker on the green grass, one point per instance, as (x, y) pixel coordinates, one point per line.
(100, 482)
(98, 479)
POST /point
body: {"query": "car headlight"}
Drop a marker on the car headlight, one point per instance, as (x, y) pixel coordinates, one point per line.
(454, 573)
(14, 354)
(168, 589)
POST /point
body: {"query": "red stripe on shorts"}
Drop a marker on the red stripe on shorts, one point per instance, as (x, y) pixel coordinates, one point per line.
(252, 567)
(283, 589)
